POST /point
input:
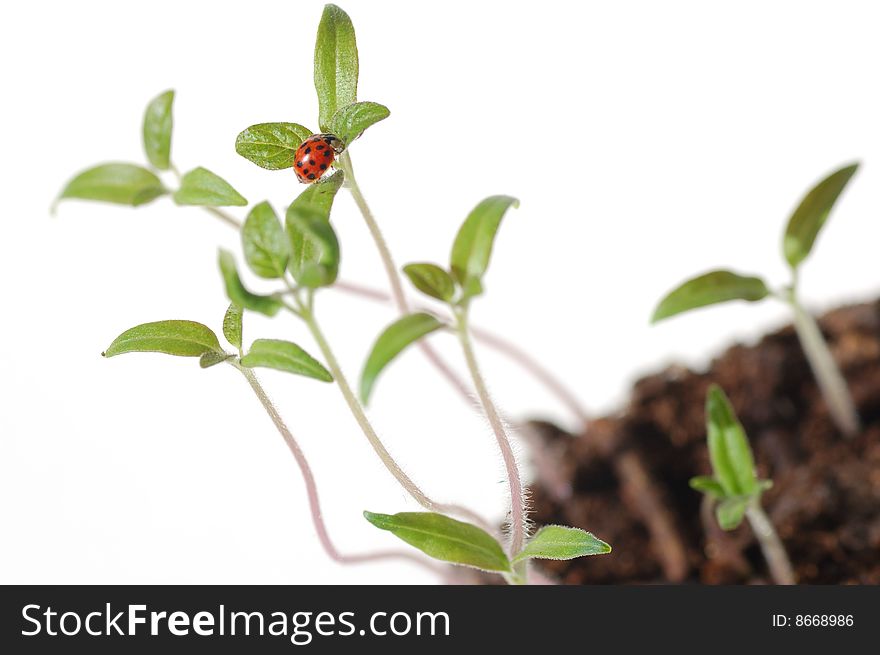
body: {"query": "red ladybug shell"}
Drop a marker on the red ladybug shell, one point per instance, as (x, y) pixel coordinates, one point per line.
(314, 157)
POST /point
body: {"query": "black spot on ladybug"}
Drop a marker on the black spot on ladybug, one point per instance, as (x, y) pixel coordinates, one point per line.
(312, 176)
(308, 150)
(323, 167)
(299, 164)
(320, 147)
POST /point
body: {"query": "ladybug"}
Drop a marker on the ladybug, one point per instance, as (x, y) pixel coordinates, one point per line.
(315, 155)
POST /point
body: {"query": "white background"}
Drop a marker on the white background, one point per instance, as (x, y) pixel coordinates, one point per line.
(647, 142)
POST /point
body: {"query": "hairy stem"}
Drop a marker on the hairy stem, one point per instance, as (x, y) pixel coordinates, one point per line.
(771, 545)
(828, 376)
(366, 427)
(517, 498)
(312, 488)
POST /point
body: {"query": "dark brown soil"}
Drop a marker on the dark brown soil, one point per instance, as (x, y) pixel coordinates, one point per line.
(626, 478)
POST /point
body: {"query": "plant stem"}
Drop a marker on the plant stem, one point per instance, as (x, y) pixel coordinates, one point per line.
(366, 427)
(225, 217)
(771, 545)
(312, 487)
(517, 498)
(397, 292)
(828, 376)
(375, 233)
(528, 363)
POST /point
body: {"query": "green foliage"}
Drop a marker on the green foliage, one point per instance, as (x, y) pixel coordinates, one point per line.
(271, 145)
(336, 64)
(473, 244)
(285, 356)
(181, 338)
(238, 294)
(391, 343)
(122, 184)
(232, 325)
(734, 484)
(431, 280)
(707, 485)
(562, 542)
(445, 539)
(350, 121)
(314, 248)
(809, 217)
(212, 359)
(157, 127)
(730, 512)
(202, 187)
(265, 245)
(729, 450)
(709, 289)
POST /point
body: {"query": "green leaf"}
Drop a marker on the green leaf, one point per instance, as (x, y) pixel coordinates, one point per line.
(123, 184)
(709, 289)
(730, 512)
(271, 145)
(265, 245)
(182, 338)
(202, 187)
(232, 325)
(391, 343)
(212, 359)
(336, 64)
(158, 123)
(350, 121)
(431, 280)
(707, 485)
(285, 356)
(562, 542)
(729, 449)
(314, 248)
(806, 221)
(445, 539)
(237, 292)
(473, 244)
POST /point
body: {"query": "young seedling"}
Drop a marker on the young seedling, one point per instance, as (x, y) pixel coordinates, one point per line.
(800, 235)
(735, 487)
(301, 255)
(191, 339)
(457, 287)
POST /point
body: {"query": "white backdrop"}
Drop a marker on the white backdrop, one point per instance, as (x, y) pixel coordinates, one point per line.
(647, 142)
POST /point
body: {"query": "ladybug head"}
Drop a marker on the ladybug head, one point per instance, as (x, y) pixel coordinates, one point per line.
(334, 142)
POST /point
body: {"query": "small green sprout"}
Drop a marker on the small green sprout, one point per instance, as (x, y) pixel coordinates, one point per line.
(457, 287)
(800, 235)
(735, 487)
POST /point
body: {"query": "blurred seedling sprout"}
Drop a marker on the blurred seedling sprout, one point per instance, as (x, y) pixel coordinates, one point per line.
(300, 256)
(723, 285)
(735, 487)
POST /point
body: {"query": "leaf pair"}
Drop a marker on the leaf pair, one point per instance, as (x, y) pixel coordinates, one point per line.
(800, 235)
(735, 483)
(134, 185)
(449, 540)
(470, 255)
(191, 339)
